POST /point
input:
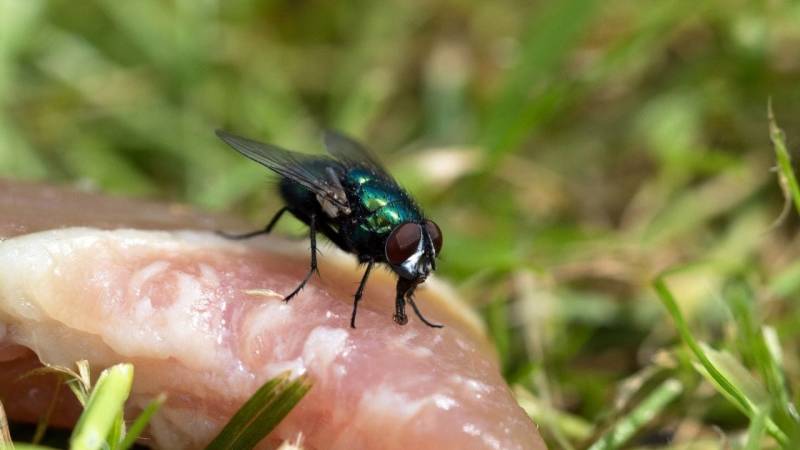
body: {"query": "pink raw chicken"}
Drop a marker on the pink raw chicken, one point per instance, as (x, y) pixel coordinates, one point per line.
(202, 320)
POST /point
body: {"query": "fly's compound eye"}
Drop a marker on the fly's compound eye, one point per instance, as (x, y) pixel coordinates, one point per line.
(403, 242)
(435, 233)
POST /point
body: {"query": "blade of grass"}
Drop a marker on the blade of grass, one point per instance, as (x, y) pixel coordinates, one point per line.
(5, 434)
(44, 421)
(724, 385)
(773, 347)
(78, 382)
(756, 396)
(786, 282)
(141, 422)
(26, 446)
(683, 329)
(84, 379)
(117, 431)
(261, 413)
(786, 176)
(572, 426)
(739, 300)
(755, 432)
(643, 413)
(103, 408)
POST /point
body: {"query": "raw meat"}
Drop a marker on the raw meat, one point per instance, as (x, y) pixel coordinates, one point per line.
(201, 318)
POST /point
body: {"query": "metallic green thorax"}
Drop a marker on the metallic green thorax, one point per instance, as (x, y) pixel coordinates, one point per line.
(383, 206)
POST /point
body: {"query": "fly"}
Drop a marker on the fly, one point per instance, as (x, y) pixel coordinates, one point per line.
(352, 200)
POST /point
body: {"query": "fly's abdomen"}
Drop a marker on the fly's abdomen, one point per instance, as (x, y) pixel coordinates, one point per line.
(299, 199)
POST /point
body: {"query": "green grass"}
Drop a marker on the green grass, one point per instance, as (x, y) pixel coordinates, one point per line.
(728, 376)
(261, 413)
(599, 144)
(102, 423)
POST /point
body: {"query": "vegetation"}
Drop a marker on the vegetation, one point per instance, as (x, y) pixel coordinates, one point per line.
(103, 425)
(642, 279)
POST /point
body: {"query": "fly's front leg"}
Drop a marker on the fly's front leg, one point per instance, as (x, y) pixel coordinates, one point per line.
(400, 317)
(410, 296)
(265, 230)
(312, 234)
(360, 291)
(400, 311)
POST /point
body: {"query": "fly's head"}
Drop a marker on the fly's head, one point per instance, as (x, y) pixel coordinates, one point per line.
(411, 249)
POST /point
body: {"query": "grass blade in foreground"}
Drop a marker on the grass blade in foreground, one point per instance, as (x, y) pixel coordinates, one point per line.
(103, 409)
(649, 408)
(26, 446)
(5, 434)
(141, 422)
(723, 384)
(756, 431)
(44, 421)
(261, 413)
(79, 382)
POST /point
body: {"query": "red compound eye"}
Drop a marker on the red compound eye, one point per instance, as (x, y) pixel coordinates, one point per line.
(435, 233)
(403, 242)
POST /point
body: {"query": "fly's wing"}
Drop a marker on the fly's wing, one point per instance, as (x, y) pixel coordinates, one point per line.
(353, 154)
(300, 168)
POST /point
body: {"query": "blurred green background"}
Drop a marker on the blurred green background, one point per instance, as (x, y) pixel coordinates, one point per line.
(596, 143)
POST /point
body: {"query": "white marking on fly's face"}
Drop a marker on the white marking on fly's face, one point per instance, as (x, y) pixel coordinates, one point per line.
(410, 264)
(433, 248)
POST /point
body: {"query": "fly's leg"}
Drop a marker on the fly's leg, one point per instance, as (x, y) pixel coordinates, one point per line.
(419, 314)
(400, 311)
(360, 291)
(400, 317)
(312, 235)
(265, 230)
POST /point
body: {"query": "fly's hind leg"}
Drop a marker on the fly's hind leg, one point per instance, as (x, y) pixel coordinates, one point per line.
(312, 234)
(266, 230)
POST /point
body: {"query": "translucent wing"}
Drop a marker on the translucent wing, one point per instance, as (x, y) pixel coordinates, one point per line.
(305, 170)
(351, 153)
